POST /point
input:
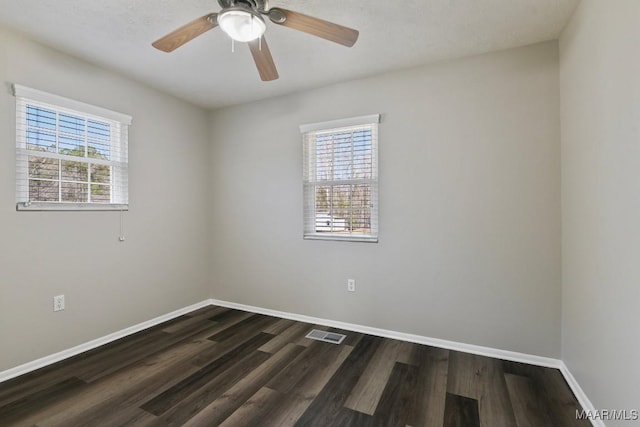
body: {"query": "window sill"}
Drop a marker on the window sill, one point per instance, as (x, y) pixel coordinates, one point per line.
(341, 238)
(44, 206)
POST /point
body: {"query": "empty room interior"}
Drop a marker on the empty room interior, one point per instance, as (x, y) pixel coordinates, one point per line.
(416, 213)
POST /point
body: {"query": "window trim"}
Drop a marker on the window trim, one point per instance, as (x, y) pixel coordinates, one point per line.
(72, 104)
(335, 125)
(340, 123)
(70, 206)
(24, 95)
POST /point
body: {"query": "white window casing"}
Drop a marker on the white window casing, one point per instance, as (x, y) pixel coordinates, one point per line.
(69, 155)
(340, 179)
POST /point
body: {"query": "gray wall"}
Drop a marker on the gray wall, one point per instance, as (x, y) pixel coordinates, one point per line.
(469, 204)
(600, 91)
(162, 266)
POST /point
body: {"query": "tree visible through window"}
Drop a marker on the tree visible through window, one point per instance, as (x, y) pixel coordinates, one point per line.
(340, 182)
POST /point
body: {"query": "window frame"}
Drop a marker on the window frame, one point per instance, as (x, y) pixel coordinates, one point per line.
(310, 184)
(118, 143)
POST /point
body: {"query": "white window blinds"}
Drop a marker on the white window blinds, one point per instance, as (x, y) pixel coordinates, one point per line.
(69, 155)
(341, 179)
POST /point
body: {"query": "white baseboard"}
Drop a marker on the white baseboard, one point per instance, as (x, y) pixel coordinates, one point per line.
(73, 351)
(580, 394)
(435, 342)
(419, 339)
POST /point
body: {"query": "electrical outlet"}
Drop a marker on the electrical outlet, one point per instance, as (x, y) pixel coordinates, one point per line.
(58, 303)
(351, 285)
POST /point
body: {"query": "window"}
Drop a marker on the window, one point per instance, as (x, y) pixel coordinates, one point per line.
(69, 155)
(341, 179)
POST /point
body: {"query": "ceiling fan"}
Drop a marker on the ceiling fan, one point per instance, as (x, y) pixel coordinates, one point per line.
(242, 20)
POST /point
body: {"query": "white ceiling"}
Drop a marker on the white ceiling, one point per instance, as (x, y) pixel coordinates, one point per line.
(117, 34)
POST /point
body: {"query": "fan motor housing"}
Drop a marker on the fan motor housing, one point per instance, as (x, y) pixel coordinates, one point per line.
(260, 5)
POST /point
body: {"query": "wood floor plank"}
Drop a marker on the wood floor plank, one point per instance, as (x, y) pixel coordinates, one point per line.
(307, 361)
(367, 392)
(47, 376)
(309, 385)
(348, 417)
(431, 387)
(527, 407)
(17, 411)
(209, 311)
(230, 316)
(207, 356)
(131, 416)
(194, 403)
(291, 334)
(407, 353)
(172, 396)
(398, 400)
(246, 327)
(280, 326)
(254, 411)
(21, 387)
(222, 324)
(482, 378)
(185, 324)
(127, 388)
(326, 406)
(233, 398)
(560, 401)
(462, 411)
(552, 392)
(464, 370)
(495, 407)
(193, 319)
(17, 388)
(118, 360)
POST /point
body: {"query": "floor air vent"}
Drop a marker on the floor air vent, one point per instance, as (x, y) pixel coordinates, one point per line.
(325, 336)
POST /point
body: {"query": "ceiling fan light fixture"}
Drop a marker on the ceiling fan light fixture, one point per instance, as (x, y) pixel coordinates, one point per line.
(241, 24)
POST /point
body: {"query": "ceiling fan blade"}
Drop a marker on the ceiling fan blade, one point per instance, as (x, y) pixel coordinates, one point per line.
(263, 59)
(314, 26)
(188, 32)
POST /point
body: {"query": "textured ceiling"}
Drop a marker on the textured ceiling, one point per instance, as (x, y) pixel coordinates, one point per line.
(117, 34)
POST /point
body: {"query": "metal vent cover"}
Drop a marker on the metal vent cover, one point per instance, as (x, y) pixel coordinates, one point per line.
(330, 337)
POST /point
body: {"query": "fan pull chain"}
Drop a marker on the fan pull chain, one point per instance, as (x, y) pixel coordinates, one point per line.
(121, 237)
(233, 46)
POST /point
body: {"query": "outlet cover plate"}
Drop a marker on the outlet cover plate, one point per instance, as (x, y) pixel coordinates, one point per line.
(58, 303)
(351, 285)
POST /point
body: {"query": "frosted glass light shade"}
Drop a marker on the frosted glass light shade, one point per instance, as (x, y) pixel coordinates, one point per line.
(241, 25)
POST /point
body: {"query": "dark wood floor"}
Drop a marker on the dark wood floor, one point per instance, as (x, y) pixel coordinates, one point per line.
(217, 366)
